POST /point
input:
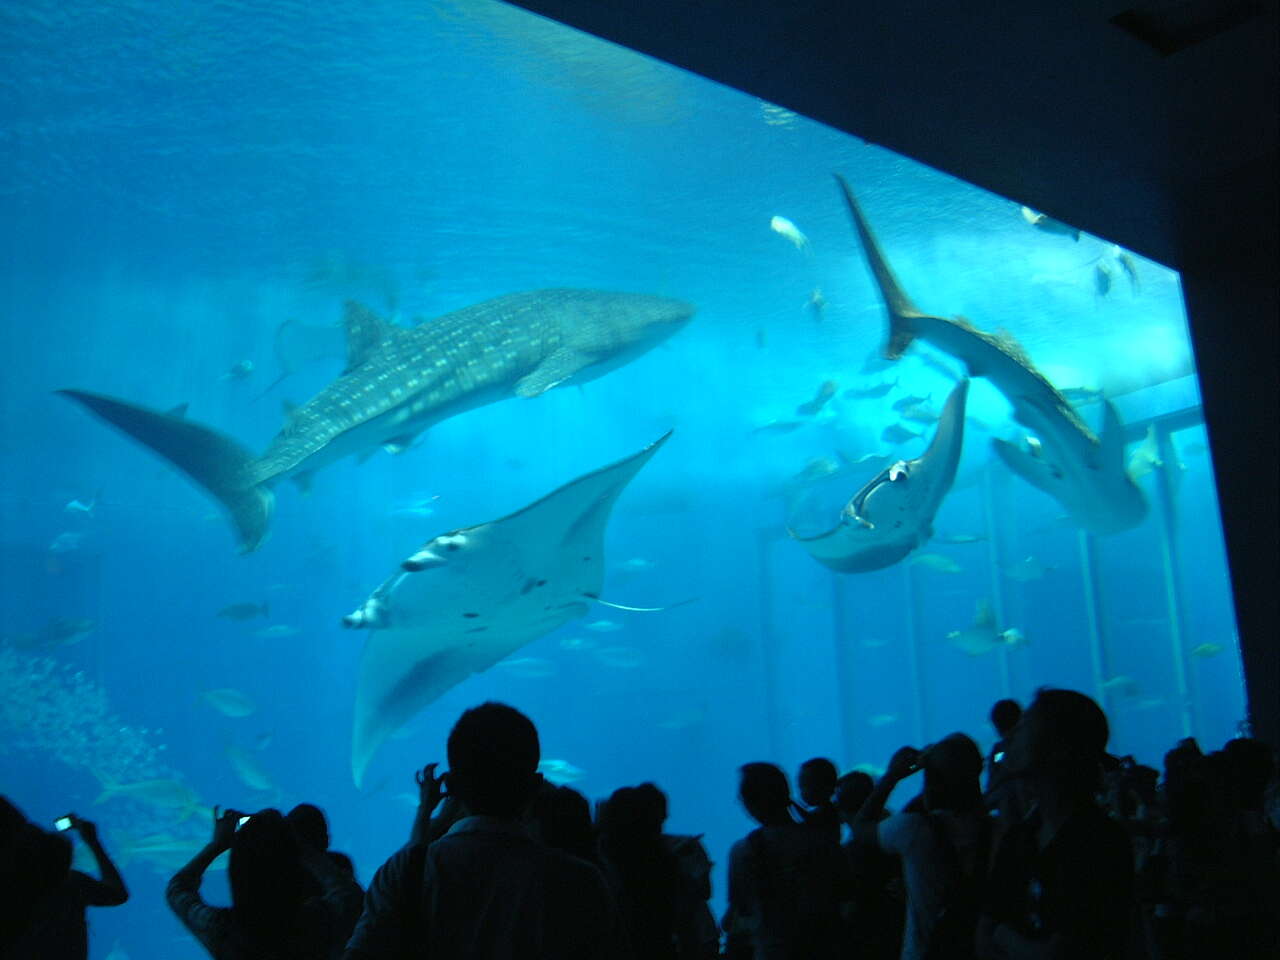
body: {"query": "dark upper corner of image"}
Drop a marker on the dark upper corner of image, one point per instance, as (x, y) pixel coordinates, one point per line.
(1115, 117)
(1152, 123)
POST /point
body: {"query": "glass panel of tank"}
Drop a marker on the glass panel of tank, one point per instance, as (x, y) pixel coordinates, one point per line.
(211, 219)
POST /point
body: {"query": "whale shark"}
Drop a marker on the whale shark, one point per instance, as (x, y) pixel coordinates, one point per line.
(893, 513)
(471, 597)
(1065, 459)
(399, 381)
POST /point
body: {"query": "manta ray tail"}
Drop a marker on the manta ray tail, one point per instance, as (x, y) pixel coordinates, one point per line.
(896, 301)
(215, 462)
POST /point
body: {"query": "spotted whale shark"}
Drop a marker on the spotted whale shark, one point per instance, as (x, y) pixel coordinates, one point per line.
(399, 381)
(1065, 459)
(893, 513)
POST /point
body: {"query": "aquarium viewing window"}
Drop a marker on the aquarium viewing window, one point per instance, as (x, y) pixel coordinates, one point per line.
(430, 285)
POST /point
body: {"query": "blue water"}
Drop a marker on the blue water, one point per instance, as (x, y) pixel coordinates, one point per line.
(180, 180)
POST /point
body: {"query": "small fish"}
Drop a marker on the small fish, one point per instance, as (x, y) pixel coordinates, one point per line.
(874, 460)
(897, 433)
(417, 507)
(229, 702)
(244, 611)
(263, 740)
(576, 643)
(881, 720)
(66, 542)
(1205, 650)
(1046, 223)
(937, 562)
(82, 508)
(819, 468)
(604, 626)
(961, 538)
(762, 339)
(1027, 569)
(624, 658)
(817, 303)
(1102, 278)
(785, 228)
(117, 952)
(683, 719)
(825, 392)
(248, 769)
(240, 370)
(873, 392)
(529, 668)
(873, 642)
(1196, 449)
(165, 793)
(779, 427)
(912, 400)
(64, 631)
(1121, 686)
(920, 413)
(637, 564)
(560, 772)
(1130, 267)
(1150, 703)
(279, 631)
(875, 362)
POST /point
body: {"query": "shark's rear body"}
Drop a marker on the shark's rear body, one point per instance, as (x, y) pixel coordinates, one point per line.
(400, 381)
(1083, 472)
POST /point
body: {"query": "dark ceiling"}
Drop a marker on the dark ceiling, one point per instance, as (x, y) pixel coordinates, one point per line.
(1101, 114)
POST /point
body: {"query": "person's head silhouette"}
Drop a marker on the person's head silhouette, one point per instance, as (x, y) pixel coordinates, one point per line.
(493, 760)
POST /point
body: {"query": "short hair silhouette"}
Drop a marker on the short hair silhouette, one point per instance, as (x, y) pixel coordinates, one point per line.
(852, 791)
(764, 789)
(268, 881)
(1005, 716)
(818, 777)
(563, 816)
(309, 822)
(493, 760)
(1072, 724)
(652, 804)
(952, 768)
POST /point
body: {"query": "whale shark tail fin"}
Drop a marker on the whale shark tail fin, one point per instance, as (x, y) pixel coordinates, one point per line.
(218, 464)
(896, 301)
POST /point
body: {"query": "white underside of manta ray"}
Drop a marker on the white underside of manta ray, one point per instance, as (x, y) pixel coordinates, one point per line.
(472, 597)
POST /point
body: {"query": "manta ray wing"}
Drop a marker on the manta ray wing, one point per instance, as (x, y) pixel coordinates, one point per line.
(474, 596)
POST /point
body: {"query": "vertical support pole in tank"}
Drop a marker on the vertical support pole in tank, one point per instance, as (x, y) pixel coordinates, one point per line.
(913, 648)
(768, 642)
(1093, 615)
(844, 669)
(995, 532)
(1166, 519)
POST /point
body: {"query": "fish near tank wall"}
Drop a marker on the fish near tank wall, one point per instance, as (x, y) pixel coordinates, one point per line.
(190, 212)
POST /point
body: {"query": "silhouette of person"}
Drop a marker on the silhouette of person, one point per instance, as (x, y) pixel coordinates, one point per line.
(44, 899)
(874, 912)
(817, 782)
(274, 912)
(487, 888)
(312, 828)
(562, 816)
(943, 845)
(786, 880)
(1061, 880)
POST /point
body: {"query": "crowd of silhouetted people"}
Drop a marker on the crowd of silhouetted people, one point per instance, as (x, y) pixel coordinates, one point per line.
(1049, 847)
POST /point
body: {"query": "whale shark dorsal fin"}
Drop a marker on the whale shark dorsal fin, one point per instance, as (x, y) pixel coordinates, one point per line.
(553, 371)
(1111, 448)
(365, 332)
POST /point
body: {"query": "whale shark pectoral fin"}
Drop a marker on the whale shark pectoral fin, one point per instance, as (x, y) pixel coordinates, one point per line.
(1032, 468)
(553, 371)
(1111, 439)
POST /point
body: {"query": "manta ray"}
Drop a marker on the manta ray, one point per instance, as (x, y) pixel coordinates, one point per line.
(893, 514)
(399, 381)
(1083, 472)
(474, 596)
